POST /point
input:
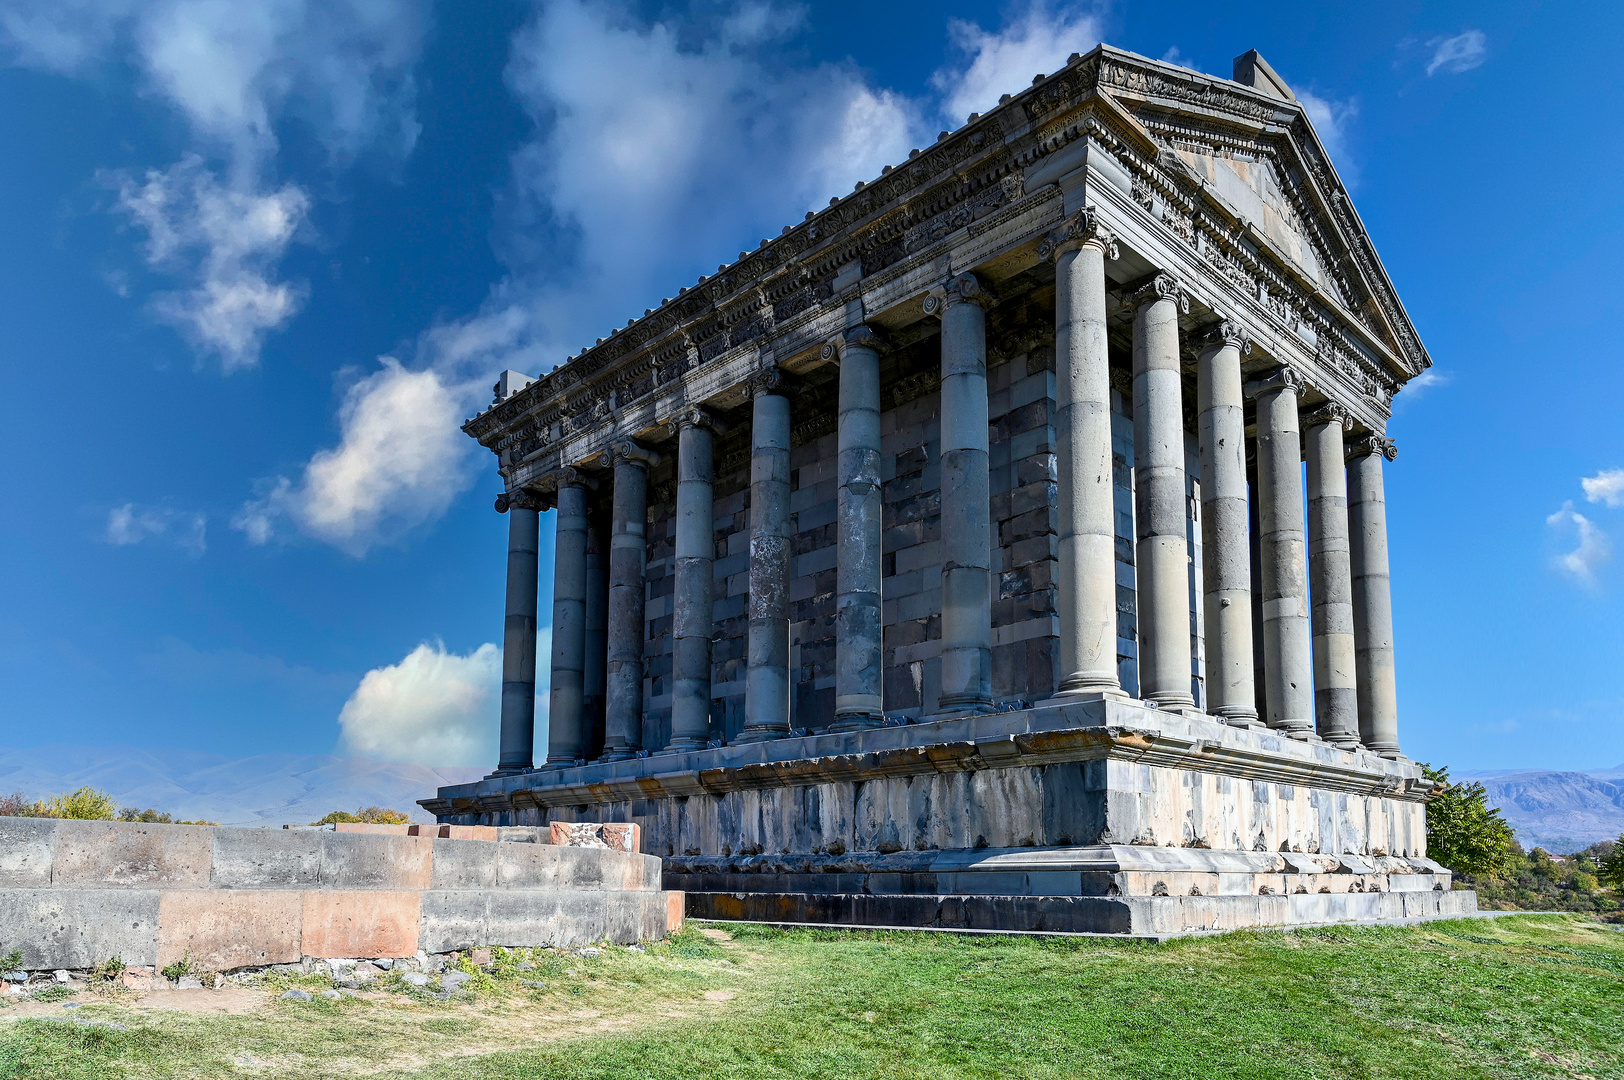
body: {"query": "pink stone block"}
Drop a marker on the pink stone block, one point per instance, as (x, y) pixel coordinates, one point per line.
(364, 827)
(468, 832)
(361, 923)
(224, 929)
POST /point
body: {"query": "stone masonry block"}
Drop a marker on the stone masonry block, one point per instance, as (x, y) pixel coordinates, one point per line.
(79, 928)
(376, 862)
(25, 852)
(266, 858)
(372, 922)
(224, 929)
(103, 854)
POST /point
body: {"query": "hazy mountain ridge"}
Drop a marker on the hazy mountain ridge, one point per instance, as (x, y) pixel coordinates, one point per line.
(1559, 811)
(265, 789)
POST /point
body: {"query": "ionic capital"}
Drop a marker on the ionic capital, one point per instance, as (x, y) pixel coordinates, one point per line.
(1371, 443)
(771, 379)
(861, 336)
(966, 289)
(1225, 334)
(566, 476)
(694, 416)
(1329, 413)
(1284, 377)
(1163, 286)
(520, 499)
(631, 452)
(1082, 229)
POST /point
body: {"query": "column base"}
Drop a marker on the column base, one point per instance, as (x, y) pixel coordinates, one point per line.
(1343, 742)
(761, 734)
(513, 771)
(855, 722)
(683, 746)
(619, 753)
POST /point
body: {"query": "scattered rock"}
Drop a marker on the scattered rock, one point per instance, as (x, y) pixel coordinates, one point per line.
(331, 995)
(534, 984)
(189, 982)
(350, 984)
(296, 995)
(591, 952)
(15, 976)
(526, 966)
(73, 1005)
(415, 978)
(455, 980)
(480, 957)
(63, 977)
(383, 963)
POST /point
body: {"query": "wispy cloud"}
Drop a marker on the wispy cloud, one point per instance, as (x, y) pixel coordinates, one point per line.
(1592, 547)
(1606, 487)
(1036, 41)
(233, 71)
(132, 524)
(224, 242)
(1463, 52)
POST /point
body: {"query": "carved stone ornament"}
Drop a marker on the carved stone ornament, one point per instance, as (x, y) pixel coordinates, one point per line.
(770, 379)
(1284, 377)
(1371, 443)
(632, 453)
(694, 416)
(519, 500)
(1226, 333)
(1329, 413)
(861, 336)
(1081, 228)
(1163, 286)
(964, 289)
(566, 476)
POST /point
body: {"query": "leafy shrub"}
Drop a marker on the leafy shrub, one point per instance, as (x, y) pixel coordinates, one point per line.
(1463, 832)
(54, 992)
(11, 961)
(370, 815)
(179, 969)
(15, 805)
(150, 816)
(86, 804)
(109, 972)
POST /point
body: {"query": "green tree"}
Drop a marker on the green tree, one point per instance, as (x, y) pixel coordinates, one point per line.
(86, 804)
(149, 816)
(1611, 868)
(1463, 831)
(371, 815)
(16, 805)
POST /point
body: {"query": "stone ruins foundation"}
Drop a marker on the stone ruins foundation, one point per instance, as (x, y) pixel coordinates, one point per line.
(951, 558)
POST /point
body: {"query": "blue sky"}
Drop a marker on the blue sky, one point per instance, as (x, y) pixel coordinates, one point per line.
(259, 259)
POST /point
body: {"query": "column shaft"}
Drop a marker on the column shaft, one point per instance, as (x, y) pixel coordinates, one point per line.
(1087, 512)
(966, 531)
(628, 560)
(766, 685)
(1225, 539)
(568, 683)
(694, 589)
(857, 580)
(1162, 553)
(1330, 581)
(1288, 654)
(595, 691)
(1372, 597)
(518, 733)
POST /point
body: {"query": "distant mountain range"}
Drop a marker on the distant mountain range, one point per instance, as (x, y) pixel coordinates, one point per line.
(1558, 811)
(266, 789)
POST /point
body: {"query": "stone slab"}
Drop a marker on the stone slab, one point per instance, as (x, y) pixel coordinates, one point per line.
(376, 861)
(79, 928)
(25, 852)
(266, 858)
(610, 835)
(223, 929)
(118, 854)
(343, 923)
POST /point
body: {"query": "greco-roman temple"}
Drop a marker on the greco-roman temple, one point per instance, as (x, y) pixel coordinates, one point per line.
(1003, 546)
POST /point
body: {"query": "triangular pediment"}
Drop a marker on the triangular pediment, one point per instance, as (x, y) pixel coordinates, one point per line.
(1258, 160)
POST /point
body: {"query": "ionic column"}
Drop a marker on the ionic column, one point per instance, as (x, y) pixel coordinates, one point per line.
(1087, 597)
(565, 724)
(1372, 597)
(1330, 580)
(857, 524)
(518, 737)
(966, 532)
(628, 559)
(1288, 653)
(1225, 539)
(1162, 554)
(766, 680)
(694, 589)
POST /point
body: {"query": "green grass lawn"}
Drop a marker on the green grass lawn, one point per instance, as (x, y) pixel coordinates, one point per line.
(1519, 997)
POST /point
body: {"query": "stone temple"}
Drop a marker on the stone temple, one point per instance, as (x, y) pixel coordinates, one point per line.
(1003, 546)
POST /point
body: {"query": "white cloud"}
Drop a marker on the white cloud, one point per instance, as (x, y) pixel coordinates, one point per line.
(1606, 487)
(131, 524)
(1037, 41)
(1463, 52)
(399, 462)
(1593, 548)
(432, 708)
(437, 707)
(233, 70)
(224, 242)
(1331, 119)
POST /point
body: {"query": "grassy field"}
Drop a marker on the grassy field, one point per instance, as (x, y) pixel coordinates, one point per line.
(1519, 997)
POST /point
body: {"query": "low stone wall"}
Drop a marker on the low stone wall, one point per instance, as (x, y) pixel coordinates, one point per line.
(73, 893)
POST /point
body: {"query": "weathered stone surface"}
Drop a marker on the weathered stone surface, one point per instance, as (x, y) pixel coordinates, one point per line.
(614, 837)
(373, 922)
(266, 859)
(78, 928)
(105, 854)
(224, 929)
(351, 861)
(25, 852)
